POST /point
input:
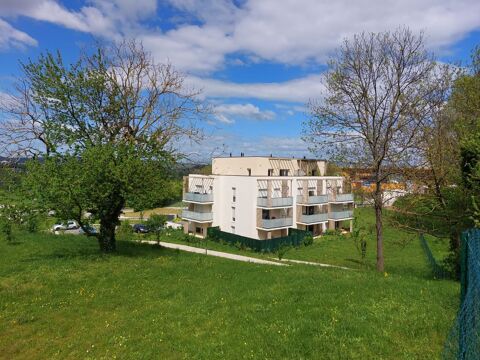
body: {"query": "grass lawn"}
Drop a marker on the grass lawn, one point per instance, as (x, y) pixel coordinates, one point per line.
(60, 298)
(159, 211)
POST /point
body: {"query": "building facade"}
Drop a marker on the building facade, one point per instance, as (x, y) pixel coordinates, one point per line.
(262, 197)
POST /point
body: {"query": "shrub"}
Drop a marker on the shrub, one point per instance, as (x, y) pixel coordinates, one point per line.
(31, 223)
(307, 240)
(6, 230)
(155, 224)
(282, 250)
(125, 231)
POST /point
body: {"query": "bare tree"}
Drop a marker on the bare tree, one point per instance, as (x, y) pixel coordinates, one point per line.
(381, 88)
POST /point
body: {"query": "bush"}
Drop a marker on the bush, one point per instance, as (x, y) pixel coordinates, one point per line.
(6, 231)
(307, 240)
(155, 224)
(125, 231)
(31, 223)
(282, 250)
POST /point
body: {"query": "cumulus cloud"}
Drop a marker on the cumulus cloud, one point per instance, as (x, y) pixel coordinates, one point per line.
(297, 90)
(11, 37)
(247, 111)
(289, 31)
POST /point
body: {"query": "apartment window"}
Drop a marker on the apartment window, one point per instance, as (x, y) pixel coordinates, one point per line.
(233, 213)
(270, 172)
(234, 195)
(249, 172)
(233, 230)
(283, 172)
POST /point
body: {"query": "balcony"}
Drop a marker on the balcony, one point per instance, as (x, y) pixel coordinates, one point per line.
(312, 200)
(340, 215)
(197, 197)
(275, 202)
(340, 198)
(313, 218)
(275, 223)
(197, 216)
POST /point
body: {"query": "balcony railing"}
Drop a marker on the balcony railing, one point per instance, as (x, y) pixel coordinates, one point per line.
(275, 223)
(340, 198)
(275, 202)
(339, 215)
(200, 198)
(314, 218)
(197, 216)
(312, 200)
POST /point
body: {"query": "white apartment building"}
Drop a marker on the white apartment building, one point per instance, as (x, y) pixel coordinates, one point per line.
(262, 197)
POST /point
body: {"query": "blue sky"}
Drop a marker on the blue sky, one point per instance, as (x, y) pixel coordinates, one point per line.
(257, 61)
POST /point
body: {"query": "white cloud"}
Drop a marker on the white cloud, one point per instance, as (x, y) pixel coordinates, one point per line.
(223, 119)
(297, 90)
(11, 37)
(245, 111)
(288, 31)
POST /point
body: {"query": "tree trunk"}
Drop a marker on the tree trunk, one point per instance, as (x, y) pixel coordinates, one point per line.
(379, 226)
(106, 238)
(108, 222)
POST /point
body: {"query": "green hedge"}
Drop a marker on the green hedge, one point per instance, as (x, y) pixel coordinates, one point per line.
(295, 238)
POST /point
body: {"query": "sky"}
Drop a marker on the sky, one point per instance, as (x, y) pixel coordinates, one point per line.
(257, 62)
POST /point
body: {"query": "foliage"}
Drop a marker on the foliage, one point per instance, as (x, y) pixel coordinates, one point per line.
(359, 235)
(125, 231)
(31, 222)
(307, 240)
(282, 251)
(103, 128)
(155, 224)
(6, 231)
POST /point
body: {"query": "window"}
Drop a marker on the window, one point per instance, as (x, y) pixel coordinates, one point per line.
(234, 195)
(270, 172)
(233, 230)
(283, 172)
(233, 213)
(249, 172)
(199, 230)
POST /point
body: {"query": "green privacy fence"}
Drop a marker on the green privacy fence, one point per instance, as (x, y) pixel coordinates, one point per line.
(439, 271)
(463, 343)
(295, 238)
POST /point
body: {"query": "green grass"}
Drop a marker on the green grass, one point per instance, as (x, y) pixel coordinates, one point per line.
(60, 298)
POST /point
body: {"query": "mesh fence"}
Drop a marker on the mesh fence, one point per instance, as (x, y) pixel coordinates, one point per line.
(295, 238)
(464, 339)
(438, 271)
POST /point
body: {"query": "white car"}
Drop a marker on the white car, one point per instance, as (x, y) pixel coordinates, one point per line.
(70, 225)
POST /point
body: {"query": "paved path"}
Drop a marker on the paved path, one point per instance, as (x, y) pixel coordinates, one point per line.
(315, 264)
(216, 253)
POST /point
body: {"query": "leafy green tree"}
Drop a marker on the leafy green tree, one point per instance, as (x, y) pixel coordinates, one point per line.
(155, 224)
(104, 131)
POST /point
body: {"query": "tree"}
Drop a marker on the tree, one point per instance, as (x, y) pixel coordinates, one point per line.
(380, 88)
(155, 224)
(104, 130)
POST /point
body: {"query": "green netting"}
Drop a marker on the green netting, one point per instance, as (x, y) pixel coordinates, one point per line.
(295, 238)
(438, 271)
(464, 339)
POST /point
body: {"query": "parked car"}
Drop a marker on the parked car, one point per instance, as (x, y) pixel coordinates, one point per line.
(91, 231)
(140, 228)
(69, 225)
(173, 225)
